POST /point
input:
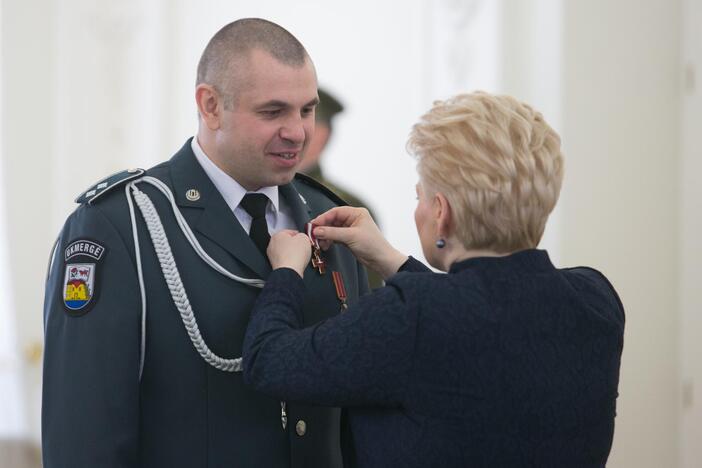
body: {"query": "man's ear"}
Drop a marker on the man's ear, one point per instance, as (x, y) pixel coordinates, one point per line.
(443, 215)
(209, 105)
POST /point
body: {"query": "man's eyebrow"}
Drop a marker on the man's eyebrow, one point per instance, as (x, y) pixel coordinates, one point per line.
(277, 103)
(272, 103)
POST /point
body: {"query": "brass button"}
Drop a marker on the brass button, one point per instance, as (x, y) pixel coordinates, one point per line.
(301, 427)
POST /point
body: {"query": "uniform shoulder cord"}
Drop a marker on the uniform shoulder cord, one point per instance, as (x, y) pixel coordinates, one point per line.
(170, 270)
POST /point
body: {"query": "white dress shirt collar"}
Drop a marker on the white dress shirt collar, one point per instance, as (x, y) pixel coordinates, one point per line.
(231, 190)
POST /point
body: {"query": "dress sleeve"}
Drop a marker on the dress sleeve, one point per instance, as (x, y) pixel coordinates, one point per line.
(360, 357)
(90, 407)
(412, 265)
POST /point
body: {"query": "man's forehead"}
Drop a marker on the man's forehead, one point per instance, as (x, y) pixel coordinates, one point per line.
(259, 53)
(263, 78)
(259, 61)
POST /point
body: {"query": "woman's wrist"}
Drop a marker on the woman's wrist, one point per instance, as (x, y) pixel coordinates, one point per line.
(300, 271)
(390, 263)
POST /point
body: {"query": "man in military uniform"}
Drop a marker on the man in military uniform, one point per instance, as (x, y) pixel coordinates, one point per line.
(146, 299)
(327, 108)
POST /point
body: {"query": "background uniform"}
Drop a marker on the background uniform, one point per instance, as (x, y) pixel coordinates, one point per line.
(182, 412)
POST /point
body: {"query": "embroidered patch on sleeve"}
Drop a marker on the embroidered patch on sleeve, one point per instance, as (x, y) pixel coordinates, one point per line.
(80, 284)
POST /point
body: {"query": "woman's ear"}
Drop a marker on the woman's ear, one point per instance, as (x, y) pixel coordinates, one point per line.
(209, 105)
(442, 215)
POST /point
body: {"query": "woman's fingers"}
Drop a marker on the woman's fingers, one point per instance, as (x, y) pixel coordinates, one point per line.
(289, 249)
(288, 232)
(355, 228)
(334, 234)
(342, 216)
(324, 244)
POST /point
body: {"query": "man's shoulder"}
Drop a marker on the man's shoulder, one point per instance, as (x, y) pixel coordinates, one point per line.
(106, 199)
(316, 193)
(107, 185)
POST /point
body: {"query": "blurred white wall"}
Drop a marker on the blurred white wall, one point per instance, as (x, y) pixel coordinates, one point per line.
(13, 421)
(89, 88)
(690, 236)
(621, 200)
(26, 35)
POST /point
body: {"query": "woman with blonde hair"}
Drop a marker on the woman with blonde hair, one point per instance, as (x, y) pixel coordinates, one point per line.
(504, 361)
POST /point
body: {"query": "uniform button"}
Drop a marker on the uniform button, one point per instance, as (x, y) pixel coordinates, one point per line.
(192, 194)
(301, 427)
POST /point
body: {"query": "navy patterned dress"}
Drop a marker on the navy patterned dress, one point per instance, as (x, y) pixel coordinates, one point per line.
(502, 362)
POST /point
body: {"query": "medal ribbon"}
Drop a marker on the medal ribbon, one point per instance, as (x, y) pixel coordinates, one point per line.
(318, 263)
(340, 289)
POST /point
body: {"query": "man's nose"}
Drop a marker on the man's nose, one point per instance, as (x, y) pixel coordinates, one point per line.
(293, 130)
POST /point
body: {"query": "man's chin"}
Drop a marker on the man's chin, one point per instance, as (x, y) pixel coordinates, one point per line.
(284, 178)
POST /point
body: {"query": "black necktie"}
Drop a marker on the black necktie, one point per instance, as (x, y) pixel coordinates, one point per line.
(255, 205)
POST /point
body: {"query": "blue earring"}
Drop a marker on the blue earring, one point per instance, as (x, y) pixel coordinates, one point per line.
(441, 243)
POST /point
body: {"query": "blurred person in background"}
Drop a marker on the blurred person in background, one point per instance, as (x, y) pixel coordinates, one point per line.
(142, 335)
(325, 112)
(505, 360)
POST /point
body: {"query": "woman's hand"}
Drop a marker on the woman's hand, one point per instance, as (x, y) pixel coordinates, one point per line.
(355, 228)
(290, 249)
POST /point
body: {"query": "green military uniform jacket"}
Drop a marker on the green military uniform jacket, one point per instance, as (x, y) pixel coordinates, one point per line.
(111, 400)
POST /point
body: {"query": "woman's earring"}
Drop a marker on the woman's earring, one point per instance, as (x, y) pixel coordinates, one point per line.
(441, 243)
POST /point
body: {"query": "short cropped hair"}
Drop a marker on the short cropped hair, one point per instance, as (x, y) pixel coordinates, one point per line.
(498, 163)
(219, 61)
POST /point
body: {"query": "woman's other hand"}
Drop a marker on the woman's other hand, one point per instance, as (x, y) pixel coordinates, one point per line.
(355, 228)
(290, 249)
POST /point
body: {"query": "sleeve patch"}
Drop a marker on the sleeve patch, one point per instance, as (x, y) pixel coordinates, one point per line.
(81, 284)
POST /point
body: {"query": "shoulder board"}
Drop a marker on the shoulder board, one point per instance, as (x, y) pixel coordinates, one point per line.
(307, 180)
(107, 184)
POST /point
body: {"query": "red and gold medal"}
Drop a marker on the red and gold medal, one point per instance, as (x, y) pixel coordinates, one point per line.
(320, 266)
(317, 261)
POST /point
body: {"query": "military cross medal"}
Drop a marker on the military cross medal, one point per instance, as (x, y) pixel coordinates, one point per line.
(317, 261)
(319, 264)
